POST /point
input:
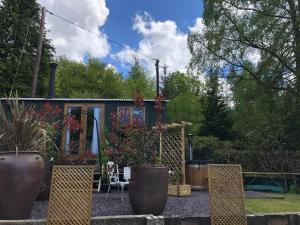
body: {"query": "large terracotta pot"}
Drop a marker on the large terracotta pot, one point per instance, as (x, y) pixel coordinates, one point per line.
(20, 180)
(148, 190)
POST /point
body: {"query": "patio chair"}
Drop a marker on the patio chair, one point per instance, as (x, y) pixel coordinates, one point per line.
(70, 199)
(113, 176)
(226, 194)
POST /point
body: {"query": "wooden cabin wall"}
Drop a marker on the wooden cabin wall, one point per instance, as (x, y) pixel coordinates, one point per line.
(110, 107)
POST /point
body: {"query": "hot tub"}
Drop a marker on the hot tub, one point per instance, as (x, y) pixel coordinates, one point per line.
(196, 174)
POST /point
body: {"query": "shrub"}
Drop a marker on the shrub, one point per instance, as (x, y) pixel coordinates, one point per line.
(218, 151)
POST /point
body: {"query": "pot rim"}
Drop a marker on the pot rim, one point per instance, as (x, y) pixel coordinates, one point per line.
(19, 152)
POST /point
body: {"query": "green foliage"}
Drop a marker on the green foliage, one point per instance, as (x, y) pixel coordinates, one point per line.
(260, 118)
(91, 80)
(238, 30)
(19, 130)
(249, 43)
(178, 83)
(96, 80)
(185, 107)
(216, 119)
(220, 151)
(183, 91)
(139, 81)
(16, 19)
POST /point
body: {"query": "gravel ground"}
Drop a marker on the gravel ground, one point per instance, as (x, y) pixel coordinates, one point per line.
(196, 204)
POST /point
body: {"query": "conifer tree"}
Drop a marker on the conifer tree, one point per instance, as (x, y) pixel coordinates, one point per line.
(216, 120)
(19, 28)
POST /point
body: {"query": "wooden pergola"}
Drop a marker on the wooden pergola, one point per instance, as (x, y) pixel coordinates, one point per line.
(172, 148)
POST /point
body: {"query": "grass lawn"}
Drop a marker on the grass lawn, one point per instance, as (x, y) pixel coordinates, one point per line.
(290, 203)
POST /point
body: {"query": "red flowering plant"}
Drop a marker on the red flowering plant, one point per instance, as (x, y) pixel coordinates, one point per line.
(49, 117)
(133, 144)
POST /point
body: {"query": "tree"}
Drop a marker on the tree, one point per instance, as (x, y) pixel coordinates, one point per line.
(259, 41)
(185, 107)
(237, 30)
(216, 121)
(178, 83)
(19, 27)
(139, 81)
(91, 80)
(260, 120)
(183, 91)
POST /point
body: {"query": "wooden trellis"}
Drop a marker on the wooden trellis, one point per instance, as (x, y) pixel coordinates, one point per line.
(71, 195)
(172, 150)
(226, 195)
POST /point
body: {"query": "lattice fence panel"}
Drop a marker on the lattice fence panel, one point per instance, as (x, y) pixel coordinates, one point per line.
(71, 195)
(171, 153)
(226, 195)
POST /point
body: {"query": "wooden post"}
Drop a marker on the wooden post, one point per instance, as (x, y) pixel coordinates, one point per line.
(183, 155)
(38, 54)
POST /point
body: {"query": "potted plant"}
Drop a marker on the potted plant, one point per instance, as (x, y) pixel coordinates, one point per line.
(176, 188)
(21, 166)
(137, 146)
(148, 188)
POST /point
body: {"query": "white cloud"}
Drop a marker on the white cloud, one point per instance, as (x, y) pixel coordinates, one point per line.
(111, 66)
(160, 39)
(199, 25)
(70, 40)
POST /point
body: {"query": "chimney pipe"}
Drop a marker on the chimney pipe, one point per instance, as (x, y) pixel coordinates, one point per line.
(53, 67)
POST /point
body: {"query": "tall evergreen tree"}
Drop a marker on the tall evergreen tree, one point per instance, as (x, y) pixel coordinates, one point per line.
(19, 27)
(216, 121)
(139, 81)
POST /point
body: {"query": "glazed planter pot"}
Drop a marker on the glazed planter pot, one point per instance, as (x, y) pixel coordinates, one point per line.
(46, 183)
(148, 190)
(20, 180)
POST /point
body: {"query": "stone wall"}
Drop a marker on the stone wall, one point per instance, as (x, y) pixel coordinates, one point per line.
(267, 219)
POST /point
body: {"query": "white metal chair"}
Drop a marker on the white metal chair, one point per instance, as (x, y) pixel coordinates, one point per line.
(113, 175)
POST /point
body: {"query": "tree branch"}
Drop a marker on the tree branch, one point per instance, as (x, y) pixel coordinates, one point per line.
(294, 18)
(240, 65)
(252, 44)
(258, 11)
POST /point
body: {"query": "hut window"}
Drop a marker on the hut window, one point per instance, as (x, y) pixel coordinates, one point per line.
(90, 119)
(138, 115)
(130, 115)
(124, 115)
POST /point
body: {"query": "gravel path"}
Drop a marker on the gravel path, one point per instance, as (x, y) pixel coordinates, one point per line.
(196, 204)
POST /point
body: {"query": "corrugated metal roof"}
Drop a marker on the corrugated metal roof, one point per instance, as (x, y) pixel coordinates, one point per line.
(80, 99)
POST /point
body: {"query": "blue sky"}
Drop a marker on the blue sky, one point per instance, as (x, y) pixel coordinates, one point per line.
(157, 28)
(122, 12)
(121, 15)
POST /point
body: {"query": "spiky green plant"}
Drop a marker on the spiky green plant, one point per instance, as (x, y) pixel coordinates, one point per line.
(19, 130)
